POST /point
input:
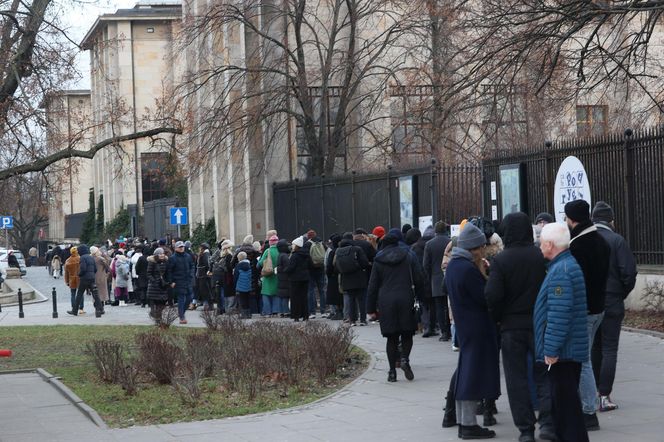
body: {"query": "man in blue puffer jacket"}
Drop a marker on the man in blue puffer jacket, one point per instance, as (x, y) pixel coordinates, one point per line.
(561, 337)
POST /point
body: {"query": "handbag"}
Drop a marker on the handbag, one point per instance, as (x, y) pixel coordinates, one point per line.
(267, 269)
(416, 310)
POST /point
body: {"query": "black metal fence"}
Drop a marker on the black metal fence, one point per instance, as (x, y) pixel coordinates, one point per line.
(343, 203)
(625, 170)
(156, 218)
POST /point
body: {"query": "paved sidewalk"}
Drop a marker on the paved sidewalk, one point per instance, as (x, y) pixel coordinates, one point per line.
(370, 409)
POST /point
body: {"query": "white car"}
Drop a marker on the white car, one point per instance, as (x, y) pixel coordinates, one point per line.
(4, 255)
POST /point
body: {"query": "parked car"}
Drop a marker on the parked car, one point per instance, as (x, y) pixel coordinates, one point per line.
(4, 254)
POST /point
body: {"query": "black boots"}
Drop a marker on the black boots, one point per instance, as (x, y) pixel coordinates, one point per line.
(449, 418)
(488, 412)
(475, 432)
(392, 376)
(407, 371)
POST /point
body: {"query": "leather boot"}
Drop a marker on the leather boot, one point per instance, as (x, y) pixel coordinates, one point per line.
(449, 418)
(489, 407)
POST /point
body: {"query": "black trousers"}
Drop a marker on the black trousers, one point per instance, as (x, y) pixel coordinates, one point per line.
(566, 403)
(82, 287)
(517, 345)
(442, 313)
(299, 291)
(605, 348)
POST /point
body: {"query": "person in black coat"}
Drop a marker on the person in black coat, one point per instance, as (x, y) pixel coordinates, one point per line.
(141, 269)
(433, 258)
(351, 263)
(157, 288)
(396, 278)
(427, 318)
(203, 273)
(298, 268)
(478, 373)
(334, 296)
(621, 281)
(511, 291)
(283, 284)
(592, 253)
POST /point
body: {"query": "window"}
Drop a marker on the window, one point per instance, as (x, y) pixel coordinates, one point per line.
(153, 178)
(505, 119)
(591, 120)
(410, 114)
(303, 154)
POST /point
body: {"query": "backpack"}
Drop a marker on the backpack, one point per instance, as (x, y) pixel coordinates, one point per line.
(345, 260)
(268, 266)
(317, 253)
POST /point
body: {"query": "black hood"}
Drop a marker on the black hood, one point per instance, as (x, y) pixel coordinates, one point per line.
(392, 255)
(517, 230)
(282, 246)
(83, 250)
(412, 236)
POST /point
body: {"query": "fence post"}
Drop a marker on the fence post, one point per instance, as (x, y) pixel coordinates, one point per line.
(547, 178)
(352, 197)
(389, 197)
(54, 298)
(20, 304)
(628, 184)
(322, 204)
(432, 190)
(297, 221)
(483, 203)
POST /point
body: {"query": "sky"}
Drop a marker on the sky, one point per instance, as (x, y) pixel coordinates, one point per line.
(78, 17)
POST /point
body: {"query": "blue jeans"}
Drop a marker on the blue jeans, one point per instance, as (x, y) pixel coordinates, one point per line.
(587, 386)
(73, 297)
(184, 298)
(270, 304)
(316, 280)
(283, 305)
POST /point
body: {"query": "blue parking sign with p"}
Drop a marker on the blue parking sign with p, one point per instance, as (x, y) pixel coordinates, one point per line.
(6, 222)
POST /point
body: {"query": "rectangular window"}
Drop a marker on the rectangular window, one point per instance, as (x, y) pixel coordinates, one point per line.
(505, 119)
(591, 120)
(410, 115)
(153, 179)
(303, 153)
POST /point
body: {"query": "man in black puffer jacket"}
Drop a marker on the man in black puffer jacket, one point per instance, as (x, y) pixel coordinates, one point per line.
(511, 291)
(592, 253)
(86, 274)
(621, 281)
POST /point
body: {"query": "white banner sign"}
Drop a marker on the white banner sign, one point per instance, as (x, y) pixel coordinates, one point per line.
(571, 184)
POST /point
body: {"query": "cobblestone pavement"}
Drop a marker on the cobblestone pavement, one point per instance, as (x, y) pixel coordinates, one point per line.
(369, 409)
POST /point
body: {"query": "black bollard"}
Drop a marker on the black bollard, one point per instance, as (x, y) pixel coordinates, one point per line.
(20, 304)
(54, 297)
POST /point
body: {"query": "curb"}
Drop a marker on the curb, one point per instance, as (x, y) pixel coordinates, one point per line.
(642, 331)
(72, 397)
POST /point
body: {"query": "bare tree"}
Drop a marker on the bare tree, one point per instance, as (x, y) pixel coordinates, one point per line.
(322, 65)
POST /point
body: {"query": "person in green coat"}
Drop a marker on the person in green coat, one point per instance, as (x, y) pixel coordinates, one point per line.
(270, 283)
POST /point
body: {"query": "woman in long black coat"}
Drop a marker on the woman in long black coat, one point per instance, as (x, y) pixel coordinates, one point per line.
(395, 278)
(283, 284)
(333, 296)
(204, 292)
(478, 373)
(157, 286)
(299, 265)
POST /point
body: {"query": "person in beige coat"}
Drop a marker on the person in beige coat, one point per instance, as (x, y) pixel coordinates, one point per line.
(101, 277)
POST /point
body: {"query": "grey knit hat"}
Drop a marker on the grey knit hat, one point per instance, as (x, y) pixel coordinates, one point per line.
(471, 238)
(602, 212)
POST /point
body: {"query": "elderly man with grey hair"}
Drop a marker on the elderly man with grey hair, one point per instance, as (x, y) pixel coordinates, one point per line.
(561, 338)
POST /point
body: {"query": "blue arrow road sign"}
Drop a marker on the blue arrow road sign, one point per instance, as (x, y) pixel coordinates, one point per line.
(6, 222)
(179, 216)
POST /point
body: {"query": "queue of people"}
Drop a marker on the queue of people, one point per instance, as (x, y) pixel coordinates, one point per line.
(548, 296)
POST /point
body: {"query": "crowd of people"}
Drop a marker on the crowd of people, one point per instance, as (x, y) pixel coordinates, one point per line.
(548, 296)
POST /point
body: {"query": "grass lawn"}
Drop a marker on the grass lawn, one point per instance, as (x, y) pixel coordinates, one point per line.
(61, 350)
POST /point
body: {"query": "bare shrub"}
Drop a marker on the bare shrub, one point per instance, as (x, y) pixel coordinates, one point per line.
(326, 347)
(158, 355)
(210, 319)
(109, 359)
(163, 317)
(107, 355)
(653, 295)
